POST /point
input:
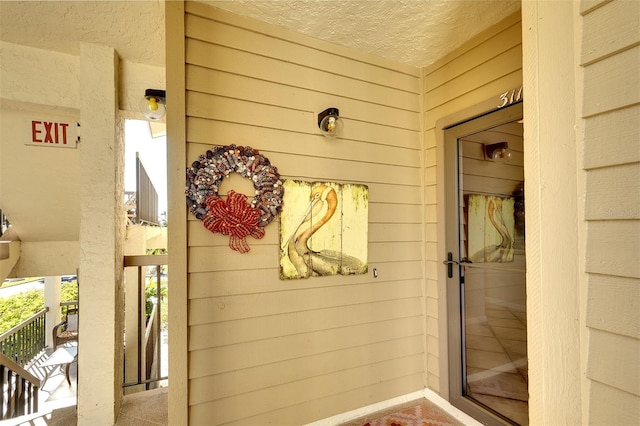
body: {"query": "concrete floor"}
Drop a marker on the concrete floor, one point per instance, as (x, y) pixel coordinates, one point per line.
(140, 409)
(58, 405)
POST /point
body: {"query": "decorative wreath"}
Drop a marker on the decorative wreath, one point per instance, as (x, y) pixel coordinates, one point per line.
(234, 216)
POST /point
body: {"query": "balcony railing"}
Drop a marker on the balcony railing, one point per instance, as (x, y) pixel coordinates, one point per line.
(142, 205)
(18, 347)
(19, 390)
(148, 344)
(26, 340)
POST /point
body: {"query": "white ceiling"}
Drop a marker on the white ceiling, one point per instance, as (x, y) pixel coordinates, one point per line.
(415, 32)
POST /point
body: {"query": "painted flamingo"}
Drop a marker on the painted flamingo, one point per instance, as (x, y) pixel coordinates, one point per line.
(503, 252)
(325, 262)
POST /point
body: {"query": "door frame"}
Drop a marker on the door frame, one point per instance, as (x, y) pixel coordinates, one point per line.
(474, 119)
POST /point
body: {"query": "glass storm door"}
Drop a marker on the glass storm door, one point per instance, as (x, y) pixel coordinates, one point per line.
(485, 267)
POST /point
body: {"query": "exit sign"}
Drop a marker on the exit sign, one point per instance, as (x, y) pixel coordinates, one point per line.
(63, 134)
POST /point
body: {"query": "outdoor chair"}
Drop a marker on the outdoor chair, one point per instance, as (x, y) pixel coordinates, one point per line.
(67, 330)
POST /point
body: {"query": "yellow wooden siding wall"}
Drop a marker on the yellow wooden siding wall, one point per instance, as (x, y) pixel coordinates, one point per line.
(482, 69)
(610, 58)
(267, 351)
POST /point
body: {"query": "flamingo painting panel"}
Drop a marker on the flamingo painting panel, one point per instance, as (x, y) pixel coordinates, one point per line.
(491, 228)
(323, 229)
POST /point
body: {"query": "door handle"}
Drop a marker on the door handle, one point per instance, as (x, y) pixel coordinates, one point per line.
(449, 262)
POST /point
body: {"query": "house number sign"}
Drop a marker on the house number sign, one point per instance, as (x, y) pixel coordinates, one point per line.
(510, 97)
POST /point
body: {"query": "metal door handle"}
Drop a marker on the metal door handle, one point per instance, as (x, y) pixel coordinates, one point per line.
(449, 262)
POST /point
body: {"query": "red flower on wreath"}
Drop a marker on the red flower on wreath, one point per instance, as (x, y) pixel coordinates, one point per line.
(234, 217)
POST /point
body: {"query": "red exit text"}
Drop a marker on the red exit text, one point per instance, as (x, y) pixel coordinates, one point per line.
(49, 132)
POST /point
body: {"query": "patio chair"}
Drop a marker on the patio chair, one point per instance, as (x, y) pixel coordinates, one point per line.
(67, 330)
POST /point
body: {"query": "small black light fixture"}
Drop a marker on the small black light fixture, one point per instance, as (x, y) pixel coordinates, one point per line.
(153, 104)
(329, 122)
(498, 152)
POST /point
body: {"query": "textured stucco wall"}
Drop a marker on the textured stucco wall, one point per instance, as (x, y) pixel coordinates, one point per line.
(39, 76)
(101, 240)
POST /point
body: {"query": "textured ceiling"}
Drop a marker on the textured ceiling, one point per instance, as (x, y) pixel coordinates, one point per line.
(415, 32)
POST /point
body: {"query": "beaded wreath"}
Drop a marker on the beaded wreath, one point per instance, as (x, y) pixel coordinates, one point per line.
(234, 216)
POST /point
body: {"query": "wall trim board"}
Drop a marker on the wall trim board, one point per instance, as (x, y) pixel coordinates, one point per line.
(178, 403)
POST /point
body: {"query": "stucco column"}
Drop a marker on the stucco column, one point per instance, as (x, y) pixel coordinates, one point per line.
(102, 226)
(553, 290)
(52, 295)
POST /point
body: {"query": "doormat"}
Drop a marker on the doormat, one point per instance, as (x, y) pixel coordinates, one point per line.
(418, 413)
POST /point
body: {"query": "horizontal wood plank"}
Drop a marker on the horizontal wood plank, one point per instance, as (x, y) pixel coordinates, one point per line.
(613, 138)
(266, 400)
(607, 353)
(243, 63)
(301, 144)
(491, 90)
(602, 89)
(503, 64)
(216, 132)
(474, 53)
(489, 185)
(211, 388)
(210, 335)
(249, 40)
(611, 406)
(199, 236)
(490, 169)
(232, 307)
(613, 248)
(613, 305)
(613, 193)
(610, 29)
(221, 283)
(209, 258)
(338, 402)
(202, 9)
(221, 359)
(224, 84)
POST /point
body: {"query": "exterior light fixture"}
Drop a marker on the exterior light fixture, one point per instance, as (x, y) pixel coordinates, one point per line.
(498, 152)
(152, 105)
(329, 122)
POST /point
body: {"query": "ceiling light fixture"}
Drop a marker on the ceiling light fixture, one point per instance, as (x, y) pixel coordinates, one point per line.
(153, 104)
(329, 122)
(498, 152)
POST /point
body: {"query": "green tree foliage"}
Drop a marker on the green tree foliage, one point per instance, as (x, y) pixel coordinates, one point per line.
(69, 291)
(20, 307)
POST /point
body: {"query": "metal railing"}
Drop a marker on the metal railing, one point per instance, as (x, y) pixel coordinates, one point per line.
(18, 347)
(26, 340)
(152, 346)
(141, 205)
(65, 306)
(19, 394)
(149, 345)
(146, 196)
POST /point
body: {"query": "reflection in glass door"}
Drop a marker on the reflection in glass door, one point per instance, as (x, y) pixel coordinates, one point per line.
(487, 270)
